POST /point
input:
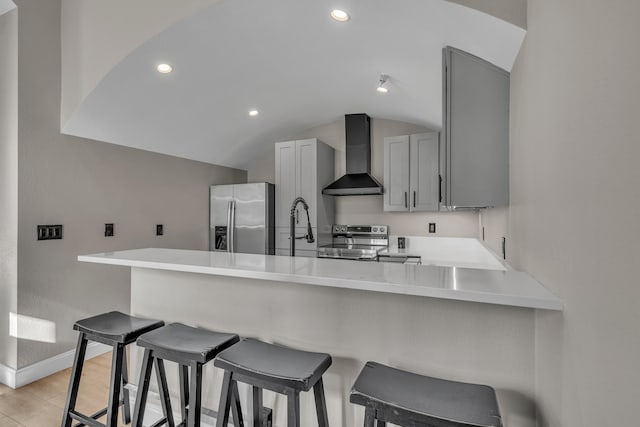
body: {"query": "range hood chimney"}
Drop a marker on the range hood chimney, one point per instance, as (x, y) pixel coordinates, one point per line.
(358, 180)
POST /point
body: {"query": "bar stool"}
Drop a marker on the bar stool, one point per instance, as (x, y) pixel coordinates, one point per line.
(190, 348)
(407, 399)
(117, 330)
(272, 367)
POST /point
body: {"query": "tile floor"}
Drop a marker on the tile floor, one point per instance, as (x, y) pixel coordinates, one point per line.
(40, 404)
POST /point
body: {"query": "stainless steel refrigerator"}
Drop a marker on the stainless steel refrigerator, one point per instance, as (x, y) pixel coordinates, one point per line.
(242, 218)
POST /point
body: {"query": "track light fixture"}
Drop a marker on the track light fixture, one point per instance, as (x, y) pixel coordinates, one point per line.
(382, 88)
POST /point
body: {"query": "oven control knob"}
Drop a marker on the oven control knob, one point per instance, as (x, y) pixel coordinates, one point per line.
(382, 229)
(375, 229)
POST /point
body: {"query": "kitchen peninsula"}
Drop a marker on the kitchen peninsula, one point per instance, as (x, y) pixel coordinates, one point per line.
(465, 324)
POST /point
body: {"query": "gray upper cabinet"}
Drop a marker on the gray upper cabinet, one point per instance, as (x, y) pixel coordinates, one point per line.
(303, 169)
(475, 155)
(424, 172)
(396, 173)
(411, 173)
(285, 180)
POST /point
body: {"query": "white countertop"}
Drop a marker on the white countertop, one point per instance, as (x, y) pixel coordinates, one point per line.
(447, 252)
(465, 284)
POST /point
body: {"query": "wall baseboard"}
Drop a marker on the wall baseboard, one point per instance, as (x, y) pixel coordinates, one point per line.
(7, 376)
(21, 377)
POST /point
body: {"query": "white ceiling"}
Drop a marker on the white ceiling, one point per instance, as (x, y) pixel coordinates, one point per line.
(292, 62)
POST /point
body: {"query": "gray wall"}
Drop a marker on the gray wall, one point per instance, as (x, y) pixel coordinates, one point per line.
(84, 184)
(574, 216)
(369, 209)
(8, 181)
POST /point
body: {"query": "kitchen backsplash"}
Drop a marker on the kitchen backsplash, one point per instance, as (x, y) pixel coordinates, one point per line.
(368, 210)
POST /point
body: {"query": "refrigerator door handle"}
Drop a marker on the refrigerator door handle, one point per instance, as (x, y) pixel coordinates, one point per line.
(229, 233)
(232, 226)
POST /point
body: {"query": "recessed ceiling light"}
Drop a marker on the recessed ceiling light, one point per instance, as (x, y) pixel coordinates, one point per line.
(339, 15)
(382, 89)
(164, 68)
(253, 113)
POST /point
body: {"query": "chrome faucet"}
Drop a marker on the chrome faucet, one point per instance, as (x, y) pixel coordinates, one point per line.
(292, 227)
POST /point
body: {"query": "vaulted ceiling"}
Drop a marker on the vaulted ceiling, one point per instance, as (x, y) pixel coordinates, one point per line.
(290, 61)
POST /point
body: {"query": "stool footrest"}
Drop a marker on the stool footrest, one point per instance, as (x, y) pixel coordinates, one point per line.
(159, 422)
(82, 417)
(85, 420)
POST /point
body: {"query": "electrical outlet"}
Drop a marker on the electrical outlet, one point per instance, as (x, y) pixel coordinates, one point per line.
(108, 230)
(49, 232)
(432, 227)
(159, 230)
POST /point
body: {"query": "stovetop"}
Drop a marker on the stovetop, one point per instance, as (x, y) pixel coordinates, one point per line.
(356, 242)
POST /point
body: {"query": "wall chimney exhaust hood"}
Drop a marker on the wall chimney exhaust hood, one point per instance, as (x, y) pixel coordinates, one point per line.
(358, 180)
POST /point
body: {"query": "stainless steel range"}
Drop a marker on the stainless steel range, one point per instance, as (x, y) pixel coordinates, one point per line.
(356, 242)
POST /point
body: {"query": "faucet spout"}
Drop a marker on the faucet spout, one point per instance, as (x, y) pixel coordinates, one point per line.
(292, 222)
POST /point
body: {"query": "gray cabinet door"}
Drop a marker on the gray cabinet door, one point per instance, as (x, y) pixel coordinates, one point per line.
(396, 173)
(476, 131)
(285, 181)
(306, 179)
(424, 172)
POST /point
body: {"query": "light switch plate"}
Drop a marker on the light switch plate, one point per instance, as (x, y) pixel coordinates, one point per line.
(50, 232)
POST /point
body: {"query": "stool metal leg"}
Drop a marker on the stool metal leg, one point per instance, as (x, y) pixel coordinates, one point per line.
(257, 406)
(163, 389)
(74, 383)
(321, 404)
(116, 380)
(195, 396)
(126, 409)
(293, 408)
(143, 388)
(225, 400)
(183, 373)
(369, 417)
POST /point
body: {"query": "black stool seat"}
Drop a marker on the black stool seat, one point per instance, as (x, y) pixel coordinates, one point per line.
(289, 367)
(117, 330)
(399, 396)
(272, 367)
(191, 348)
(116, 327)
(181, 343)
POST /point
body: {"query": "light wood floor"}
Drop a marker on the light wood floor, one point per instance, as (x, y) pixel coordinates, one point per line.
(40, 404)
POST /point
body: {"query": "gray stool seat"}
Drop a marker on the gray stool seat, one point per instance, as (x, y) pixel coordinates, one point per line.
(116, 327)
(405, 398)
(181, 343)
(272, 367)
(288, 367)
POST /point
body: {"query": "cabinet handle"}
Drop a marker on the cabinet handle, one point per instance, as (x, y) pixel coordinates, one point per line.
(406, 205)
(414, 199)
(440, 189)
